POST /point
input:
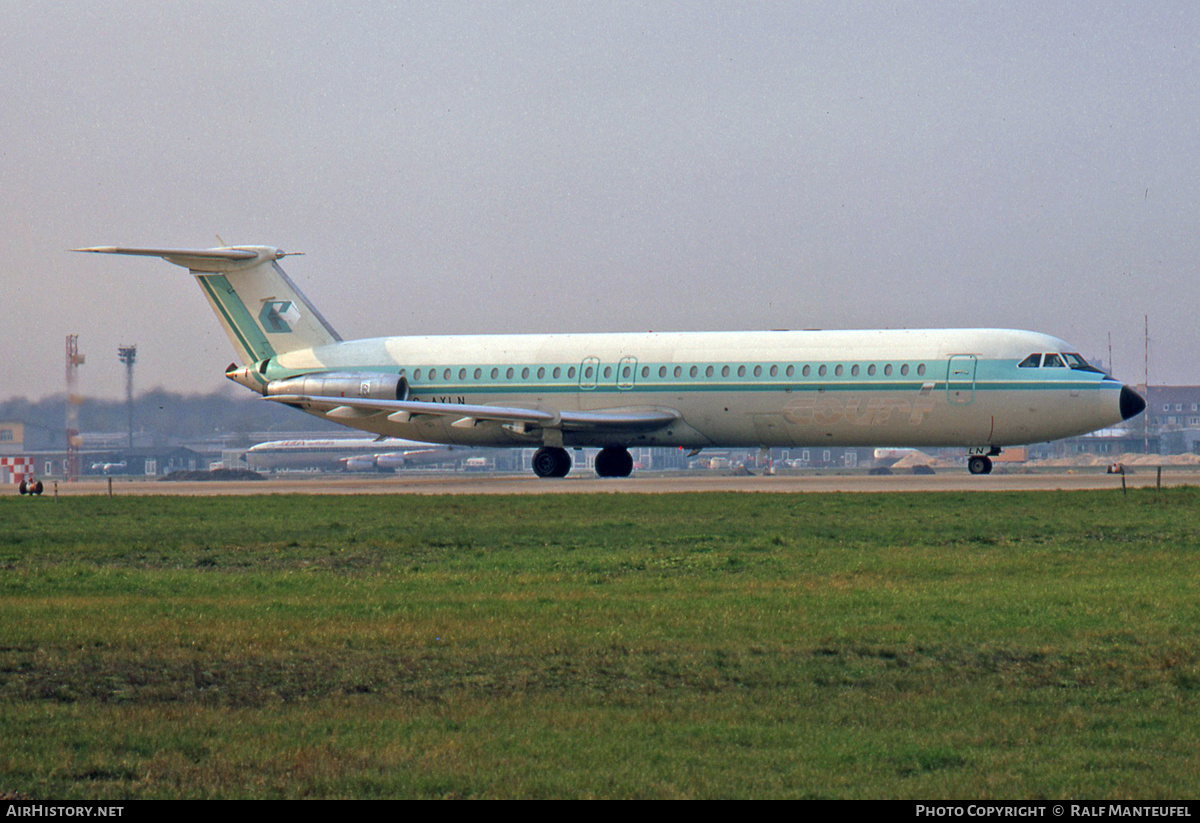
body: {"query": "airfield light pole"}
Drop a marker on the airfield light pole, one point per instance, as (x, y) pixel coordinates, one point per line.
(1146, 378)
(128, 355)
(74, 400)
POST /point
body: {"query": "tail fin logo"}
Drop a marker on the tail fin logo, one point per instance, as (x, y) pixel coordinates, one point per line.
(277, 316)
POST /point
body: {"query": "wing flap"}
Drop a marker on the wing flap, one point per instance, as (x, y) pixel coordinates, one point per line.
(467, 416)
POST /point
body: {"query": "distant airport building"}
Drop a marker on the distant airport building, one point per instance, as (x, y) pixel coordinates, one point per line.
(1173, 407)
(17, 438)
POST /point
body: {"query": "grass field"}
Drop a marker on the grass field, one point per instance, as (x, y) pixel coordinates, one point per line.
(709, 645)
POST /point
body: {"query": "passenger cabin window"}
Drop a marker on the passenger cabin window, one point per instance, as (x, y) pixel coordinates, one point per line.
(1033, 361)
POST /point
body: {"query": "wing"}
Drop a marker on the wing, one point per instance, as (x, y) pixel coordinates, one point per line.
(467, 416)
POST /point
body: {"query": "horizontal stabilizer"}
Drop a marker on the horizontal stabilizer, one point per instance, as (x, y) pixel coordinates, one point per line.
(230, 258)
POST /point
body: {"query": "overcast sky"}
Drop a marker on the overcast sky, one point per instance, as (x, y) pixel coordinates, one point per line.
(549, 167)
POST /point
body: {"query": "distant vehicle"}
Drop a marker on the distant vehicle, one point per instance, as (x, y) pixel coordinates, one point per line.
(110, 468)
(349, 454)
(32, 486)
(978, 388)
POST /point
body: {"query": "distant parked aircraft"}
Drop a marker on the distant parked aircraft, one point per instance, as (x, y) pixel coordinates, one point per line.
(349, 454)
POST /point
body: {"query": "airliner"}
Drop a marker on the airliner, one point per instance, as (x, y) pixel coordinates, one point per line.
(981, 389)
(350, 454)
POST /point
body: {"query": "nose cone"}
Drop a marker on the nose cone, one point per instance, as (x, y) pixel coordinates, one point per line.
(1132, 403)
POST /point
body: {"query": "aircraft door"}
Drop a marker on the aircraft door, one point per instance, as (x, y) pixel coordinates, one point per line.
(589, 373)
(960, 379)
(626, 373)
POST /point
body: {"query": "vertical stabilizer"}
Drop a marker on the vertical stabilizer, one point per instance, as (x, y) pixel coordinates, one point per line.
(262, 311)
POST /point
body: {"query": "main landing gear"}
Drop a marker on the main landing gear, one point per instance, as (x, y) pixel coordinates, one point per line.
(614, 462)
(551, 461)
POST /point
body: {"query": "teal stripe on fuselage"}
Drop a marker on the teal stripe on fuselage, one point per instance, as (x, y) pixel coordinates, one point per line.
(994, 378)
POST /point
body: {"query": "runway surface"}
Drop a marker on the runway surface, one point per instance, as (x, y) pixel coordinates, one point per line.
(429, 483)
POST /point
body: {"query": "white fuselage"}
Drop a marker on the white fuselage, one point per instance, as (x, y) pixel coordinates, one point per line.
(945, 387)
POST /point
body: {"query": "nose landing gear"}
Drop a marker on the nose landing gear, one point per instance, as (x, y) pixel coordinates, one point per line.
(979, 464)
(979, 461)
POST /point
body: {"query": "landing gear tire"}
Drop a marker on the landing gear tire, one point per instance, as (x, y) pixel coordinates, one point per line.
(551, 461)
(614, 462)
(979, 465)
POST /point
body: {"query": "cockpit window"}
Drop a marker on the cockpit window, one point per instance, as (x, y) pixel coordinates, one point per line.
(1052, 361)
(1030, 362)
(1079, 364)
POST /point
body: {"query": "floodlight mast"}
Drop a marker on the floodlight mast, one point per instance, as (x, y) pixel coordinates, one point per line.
(128, 355)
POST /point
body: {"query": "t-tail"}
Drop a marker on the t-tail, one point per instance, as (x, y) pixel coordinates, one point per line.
(262, 311)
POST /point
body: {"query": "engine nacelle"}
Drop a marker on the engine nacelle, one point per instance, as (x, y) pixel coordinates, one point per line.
(392, 460)
(363, 385)
(359, 464)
